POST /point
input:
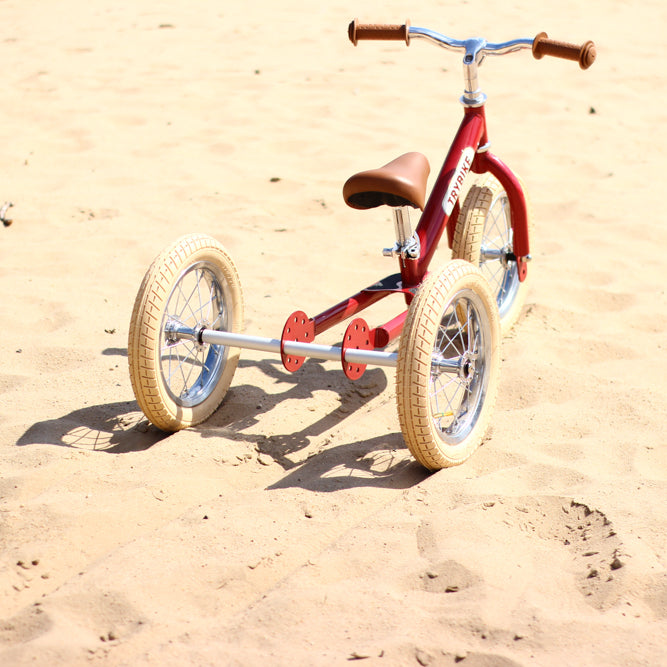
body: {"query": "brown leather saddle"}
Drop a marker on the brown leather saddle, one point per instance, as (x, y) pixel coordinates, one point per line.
(401, 182)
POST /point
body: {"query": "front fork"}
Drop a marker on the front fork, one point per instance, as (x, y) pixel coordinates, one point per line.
(486, 161)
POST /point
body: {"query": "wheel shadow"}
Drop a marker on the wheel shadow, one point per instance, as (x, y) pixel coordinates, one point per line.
(381, 462)
(115, 428)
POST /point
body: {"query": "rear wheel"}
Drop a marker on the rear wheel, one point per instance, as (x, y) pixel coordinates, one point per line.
(179, 381)
(484, 237)
(448, 366)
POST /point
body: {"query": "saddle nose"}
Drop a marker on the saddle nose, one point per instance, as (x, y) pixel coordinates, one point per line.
(401, 182)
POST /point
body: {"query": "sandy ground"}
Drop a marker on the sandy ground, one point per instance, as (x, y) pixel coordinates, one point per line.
(293, 527)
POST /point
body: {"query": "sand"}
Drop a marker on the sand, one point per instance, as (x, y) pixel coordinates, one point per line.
(293, 527)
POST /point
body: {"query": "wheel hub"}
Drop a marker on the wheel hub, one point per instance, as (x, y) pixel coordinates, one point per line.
(170, 335)
(506, 256)
(467, 369)
(200, 326)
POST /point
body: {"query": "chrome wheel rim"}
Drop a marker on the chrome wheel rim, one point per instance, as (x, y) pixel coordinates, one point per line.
(497, 245)
(461, 354)
(191, 369)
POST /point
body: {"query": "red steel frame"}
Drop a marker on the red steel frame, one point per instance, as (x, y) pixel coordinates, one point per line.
(472, 134)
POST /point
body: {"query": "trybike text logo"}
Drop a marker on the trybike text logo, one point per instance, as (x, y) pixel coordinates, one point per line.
(460, 173)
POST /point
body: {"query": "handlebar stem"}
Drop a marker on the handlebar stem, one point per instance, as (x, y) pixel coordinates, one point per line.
(474, 55)
(475, 50)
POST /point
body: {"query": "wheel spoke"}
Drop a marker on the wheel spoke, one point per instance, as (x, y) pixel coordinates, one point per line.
(496, 242)
(186, 306)
(181, 359)
(217, 315)
(195, 313)
(448, 407)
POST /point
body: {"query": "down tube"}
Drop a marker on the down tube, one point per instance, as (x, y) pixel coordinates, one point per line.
(447, 189)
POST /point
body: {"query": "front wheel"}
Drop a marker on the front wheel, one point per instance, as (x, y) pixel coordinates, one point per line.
(177, 380)
(484, 237)
(448, 366)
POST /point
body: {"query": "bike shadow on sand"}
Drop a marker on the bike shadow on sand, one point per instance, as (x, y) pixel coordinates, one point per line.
(120, 428)
(379, 461)
(247, 405)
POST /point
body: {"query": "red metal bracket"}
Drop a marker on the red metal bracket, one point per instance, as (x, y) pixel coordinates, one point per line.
(298, 328)
(358, 336)
(522, 266)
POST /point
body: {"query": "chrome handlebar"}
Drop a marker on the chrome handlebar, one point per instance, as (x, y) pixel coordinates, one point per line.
(475, 48)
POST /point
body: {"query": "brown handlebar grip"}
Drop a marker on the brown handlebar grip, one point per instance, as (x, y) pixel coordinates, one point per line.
(358, 31)
(584, 54)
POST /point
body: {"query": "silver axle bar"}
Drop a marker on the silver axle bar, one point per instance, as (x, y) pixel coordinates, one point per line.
(326, 352)
(297, 349)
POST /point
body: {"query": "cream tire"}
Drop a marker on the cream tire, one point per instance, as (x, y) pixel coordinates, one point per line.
(179, 381)
(448, 366)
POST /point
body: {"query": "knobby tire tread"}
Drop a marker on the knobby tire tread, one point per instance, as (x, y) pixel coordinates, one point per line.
(144, 333)
(414, 365)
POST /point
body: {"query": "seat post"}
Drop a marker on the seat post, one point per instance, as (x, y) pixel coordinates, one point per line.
(407, 244)
(402, 224)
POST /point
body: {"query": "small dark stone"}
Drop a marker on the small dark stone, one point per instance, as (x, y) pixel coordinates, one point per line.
(423, 658)
(358, 656)
(616, 564)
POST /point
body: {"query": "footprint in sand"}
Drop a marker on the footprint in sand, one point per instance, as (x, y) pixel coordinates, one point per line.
(25, 626)
(588, 535)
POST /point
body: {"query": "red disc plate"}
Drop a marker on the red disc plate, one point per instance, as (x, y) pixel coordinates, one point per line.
(300, 329)
(358, 336)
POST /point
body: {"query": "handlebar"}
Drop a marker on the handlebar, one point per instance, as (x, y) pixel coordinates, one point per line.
(541, 45)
